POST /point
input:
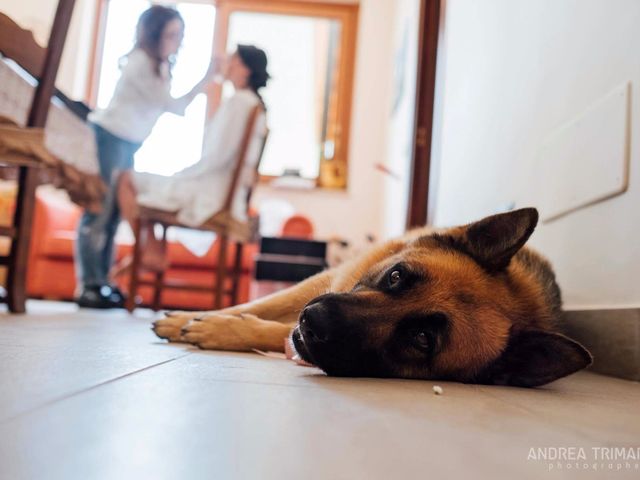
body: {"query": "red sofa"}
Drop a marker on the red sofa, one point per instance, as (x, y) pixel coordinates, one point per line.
(51, 273)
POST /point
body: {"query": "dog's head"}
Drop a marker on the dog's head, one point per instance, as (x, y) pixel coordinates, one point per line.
(449, 306)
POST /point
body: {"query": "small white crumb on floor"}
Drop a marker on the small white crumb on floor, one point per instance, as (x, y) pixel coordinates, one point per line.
(437, 389)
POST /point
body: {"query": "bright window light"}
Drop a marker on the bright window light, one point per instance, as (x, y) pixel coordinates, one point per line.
(298, 51)
(175, 142)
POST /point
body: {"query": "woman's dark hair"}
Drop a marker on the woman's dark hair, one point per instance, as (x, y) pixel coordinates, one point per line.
(255, 59)
(149, 31)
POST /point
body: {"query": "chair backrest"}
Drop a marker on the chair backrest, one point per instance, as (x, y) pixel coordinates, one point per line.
(256, 173)
(19, 45)
(243, 157)
(42, 63)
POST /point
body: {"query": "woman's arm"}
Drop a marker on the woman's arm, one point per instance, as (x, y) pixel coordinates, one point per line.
(179, 105)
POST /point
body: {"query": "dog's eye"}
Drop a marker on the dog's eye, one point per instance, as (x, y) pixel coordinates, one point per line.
(423, 334)
(394, 277)
(397, 279)
(422, 339)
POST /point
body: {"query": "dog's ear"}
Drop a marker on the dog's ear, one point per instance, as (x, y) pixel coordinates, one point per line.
(536, 357)
(494, 240)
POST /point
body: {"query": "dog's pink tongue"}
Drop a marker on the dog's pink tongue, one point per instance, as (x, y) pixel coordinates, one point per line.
(293, 355)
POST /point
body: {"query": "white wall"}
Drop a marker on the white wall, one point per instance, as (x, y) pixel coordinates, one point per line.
(401, 118)
(510, 73)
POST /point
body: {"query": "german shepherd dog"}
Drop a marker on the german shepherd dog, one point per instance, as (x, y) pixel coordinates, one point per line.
(467, 304)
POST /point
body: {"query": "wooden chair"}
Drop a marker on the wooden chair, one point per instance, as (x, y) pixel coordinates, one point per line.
(222, 223)
(20, 46)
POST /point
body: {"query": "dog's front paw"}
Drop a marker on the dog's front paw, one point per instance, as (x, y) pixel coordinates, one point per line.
(171, 325)
(220, 332)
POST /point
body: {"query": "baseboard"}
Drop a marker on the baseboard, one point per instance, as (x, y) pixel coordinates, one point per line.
(612, 337)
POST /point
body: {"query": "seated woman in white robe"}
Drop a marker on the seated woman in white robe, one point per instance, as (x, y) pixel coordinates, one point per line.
(198, 192)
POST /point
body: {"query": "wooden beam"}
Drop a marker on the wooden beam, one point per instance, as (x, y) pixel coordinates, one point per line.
(95, 59)
(423, 125)
(46, 81)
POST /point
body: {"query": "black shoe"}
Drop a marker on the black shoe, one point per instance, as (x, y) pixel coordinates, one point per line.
(101, 296)
(117, 296)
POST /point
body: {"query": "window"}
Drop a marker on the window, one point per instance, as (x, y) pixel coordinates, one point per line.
(302, 62)
(311, 51)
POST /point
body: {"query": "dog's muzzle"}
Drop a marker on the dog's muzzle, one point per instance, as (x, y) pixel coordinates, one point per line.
(314, 324)
(313, 329)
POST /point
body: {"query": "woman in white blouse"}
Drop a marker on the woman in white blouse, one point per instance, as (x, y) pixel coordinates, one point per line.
(198, 192)
(141, 96)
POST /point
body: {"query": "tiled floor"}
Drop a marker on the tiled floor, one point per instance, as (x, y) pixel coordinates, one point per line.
(93, 395)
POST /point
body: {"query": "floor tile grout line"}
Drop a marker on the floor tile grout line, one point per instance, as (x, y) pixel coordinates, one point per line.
(87, 389)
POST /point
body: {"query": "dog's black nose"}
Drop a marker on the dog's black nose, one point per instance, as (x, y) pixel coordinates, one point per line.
(313, 323)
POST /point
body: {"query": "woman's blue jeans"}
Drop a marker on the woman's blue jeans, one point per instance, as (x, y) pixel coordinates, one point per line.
(95, 245)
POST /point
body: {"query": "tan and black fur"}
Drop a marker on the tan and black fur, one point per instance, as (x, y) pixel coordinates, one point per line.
(465, 304)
